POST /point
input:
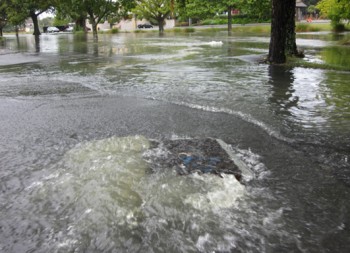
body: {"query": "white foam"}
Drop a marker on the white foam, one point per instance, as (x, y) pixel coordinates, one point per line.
(221, 192)
(243, 116)
(215, 43)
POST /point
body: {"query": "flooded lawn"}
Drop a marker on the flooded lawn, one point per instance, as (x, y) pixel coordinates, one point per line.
(79, 119)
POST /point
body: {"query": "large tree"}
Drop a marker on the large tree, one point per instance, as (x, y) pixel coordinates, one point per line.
(281, 12)
(154, 10)
(32, 9)
(15, 12)
(3, 16)
(291, 45)
(95, 11)
(99, 10)
(229, 6)
(71, 9)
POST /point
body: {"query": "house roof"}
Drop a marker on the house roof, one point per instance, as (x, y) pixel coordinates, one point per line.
(300, 4)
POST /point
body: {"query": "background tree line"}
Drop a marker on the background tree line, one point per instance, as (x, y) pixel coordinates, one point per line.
(282, 14)
(15, 12)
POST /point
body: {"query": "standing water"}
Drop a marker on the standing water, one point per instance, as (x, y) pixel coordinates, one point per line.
(78, 123)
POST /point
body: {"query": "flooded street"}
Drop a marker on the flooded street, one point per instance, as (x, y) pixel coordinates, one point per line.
(78, 119)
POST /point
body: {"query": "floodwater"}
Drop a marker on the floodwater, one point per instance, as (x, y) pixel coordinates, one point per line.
(78, 119)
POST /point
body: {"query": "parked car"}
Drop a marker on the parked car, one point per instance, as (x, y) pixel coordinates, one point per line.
(144, 26)
(52, 29)
(69, 29)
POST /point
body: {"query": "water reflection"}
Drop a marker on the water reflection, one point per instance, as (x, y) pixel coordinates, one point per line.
(337, 97)
(282, 90)
(338, 56)
(37, 44)
(310, 102)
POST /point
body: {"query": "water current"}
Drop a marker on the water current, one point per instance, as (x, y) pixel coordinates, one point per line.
(78, 119)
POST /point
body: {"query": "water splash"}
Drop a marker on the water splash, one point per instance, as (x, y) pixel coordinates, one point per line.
(102, 197)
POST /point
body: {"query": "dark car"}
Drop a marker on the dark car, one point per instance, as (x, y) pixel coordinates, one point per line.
(144, 26)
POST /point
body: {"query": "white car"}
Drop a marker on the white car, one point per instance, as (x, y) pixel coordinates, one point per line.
(69, 29)
(52, 29)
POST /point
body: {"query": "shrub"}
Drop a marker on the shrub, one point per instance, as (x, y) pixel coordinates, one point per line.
(304, 27)
(114, 30)
(184, 30)
(338, 27)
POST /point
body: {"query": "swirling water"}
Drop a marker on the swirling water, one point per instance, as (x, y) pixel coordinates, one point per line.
(78, 117)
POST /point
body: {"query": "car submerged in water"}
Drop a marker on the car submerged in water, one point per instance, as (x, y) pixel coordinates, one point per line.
(140, 26)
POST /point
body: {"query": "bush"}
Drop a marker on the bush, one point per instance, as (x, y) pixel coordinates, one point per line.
(184, 30)
(338, 27)
(304, 27)
(114, 30)
(183, 23)
(214, 22)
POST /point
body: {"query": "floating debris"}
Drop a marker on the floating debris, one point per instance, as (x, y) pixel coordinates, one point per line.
(193, 156)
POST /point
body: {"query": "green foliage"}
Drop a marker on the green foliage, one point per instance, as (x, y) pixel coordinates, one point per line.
(60, 22)
(336, 10)
(236, 19)
(200, 9)
(338, 27)
(15, 12)
(184, 30)
(260, 9)
(154, 10)
(114, 30)
(311, 9)
(3, 16)
(208, 10)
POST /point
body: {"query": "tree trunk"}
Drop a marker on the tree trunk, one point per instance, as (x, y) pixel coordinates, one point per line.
(35, 23)
(3, 23)
(37, 43)
(16, 29)
(80, 22)
(278, 31)
(229, 18)
(93, 23)
(94, 30)
(161, 25)
(291, 45)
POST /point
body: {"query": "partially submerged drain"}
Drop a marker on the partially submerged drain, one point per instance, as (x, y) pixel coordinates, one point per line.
(195, 156)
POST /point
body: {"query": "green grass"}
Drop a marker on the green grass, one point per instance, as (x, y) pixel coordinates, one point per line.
(214, 22)
(252, 29)
(310, 27)
(299, 62)
(183, 30)
(78, 32)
